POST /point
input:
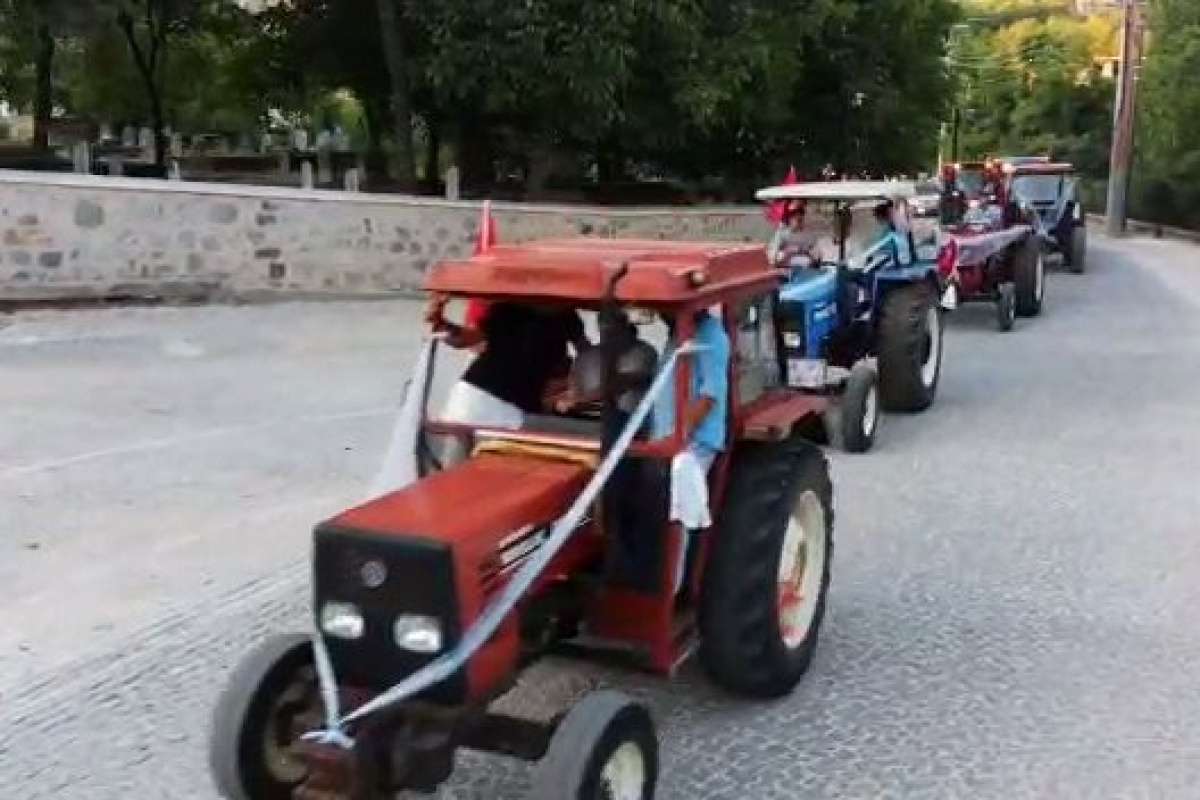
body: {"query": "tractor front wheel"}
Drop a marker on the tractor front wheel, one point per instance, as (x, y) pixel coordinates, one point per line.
(767, 573)
(605, 747)
(1029, 274)
(271, 699)
(1006, 307)
(860, 409)
(1077, 254)
(909, 346)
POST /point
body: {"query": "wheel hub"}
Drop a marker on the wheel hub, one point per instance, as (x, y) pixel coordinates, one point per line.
(1039, 277)
(801, 569)
(870, 412)
(624, 774)
(295, 711)
(931, 351)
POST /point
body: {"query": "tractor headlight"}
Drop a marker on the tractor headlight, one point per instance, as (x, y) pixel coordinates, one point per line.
(417, 633)
(793, 340)
(343, 620)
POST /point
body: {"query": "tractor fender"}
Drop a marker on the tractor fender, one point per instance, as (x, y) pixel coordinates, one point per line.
(920, 272)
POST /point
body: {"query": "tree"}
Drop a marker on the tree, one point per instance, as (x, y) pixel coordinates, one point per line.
(149, 26)
(391, 17)
(34, 29)
(1168, 187)
(1032, 85)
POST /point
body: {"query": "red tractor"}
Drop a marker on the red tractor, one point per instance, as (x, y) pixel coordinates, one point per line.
(990, 248)
(555, 536)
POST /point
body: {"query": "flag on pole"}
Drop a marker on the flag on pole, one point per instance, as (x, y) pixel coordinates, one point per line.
(774, 211)
(487, 230)
(477, 309)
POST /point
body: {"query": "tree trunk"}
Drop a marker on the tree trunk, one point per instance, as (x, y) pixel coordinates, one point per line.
(375, 110)
(402, 129)
(43, 104)
(148, 69)
(542, 161)
(433, 147)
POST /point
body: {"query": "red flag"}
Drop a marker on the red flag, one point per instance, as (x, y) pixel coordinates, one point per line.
(774, 211)
(487, 230)
(477, 309)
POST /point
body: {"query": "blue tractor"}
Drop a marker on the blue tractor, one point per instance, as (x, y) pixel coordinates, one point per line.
(860, 315)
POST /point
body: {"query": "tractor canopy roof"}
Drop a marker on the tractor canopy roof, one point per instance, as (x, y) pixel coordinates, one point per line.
(1039, 168)
(838, 191)
(1022, 160)
(578, 271)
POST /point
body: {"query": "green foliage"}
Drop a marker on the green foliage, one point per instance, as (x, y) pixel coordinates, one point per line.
(1168, 166)
(733, 90)
(1033, 86)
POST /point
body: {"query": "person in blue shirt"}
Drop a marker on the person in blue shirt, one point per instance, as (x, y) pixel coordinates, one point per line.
(889, 237)
(707, 413)
(705, 422)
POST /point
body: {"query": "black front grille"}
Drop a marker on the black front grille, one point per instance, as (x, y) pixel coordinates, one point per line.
(419, 580)
(791, 320)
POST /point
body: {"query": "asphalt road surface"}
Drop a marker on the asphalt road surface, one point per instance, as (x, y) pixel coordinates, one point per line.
(1015, 609)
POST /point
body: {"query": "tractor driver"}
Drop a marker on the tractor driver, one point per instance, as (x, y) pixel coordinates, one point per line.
(524, 354)
(792, 245)
(704, 424)
(890, 233)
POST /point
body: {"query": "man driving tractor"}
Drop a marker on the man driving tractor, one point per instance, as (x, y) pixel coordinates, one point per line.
(524, 355)
(792, 245)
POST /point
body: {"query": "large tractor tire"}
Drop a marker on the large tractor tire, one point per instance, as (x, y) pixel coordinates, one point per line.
(605, 747)
(1029, 278)
(909, 346)
(271, 693)
(1076, 254)
(767, 574)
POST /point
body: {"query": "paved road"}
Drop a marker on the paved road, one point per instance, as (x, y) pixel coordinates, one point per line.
(1015, 590)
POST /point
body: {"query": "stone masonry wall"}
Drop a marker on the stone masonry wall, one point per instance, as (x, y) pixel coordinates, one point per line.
(70, 237)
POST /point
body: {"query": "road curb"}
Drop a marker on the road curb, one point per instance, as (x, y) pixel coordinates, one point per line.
(1152, 229)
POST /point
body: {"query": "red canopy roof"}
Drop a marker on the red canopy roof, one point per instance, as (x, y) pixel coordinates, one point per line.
(660, 272)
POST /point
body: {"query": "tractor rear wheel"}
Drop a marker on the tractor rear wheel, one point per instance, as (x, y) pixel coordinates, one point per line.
(604, 748)
(1077, 253)
(767, 573)
(1029, 277)
(860, 409)
(909, 345)
(270, 698)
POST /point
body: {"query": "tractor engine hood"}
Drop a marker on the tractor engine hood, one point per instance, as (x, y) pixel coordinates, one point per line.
(475, 504)
(435, 550)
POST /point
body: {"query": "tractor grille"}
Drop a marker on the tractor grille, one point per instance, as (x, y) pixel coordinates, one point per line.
(418, 578)
(793, 331)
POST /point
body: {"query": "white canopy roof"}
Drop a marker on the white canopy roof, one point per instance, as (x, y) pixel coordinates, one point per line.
(839, 190)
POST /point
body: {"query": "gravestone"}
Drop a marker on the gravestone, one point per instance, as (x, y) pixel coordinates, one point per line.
(324, 166)
(81, 156)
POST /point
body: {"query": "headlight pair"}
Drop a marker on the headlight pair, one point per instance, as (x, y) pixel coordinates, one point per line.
(417, 633)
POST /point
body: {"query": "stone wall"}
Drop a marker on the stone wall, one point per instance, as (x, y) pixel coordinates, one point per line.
(69, 237)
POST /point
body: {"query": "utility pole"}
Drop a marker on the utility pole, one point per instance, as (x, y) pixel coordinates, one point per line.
(954, 124)
(1124, 118)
